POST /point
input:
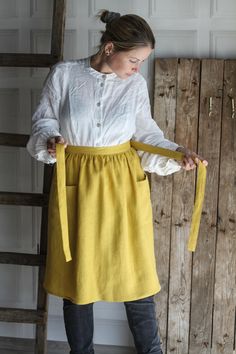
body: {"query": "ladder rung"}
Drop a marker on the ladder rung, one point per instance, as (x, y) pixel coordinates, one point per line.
(29, 199)
(13, 344)
(22, 315)
(22, 259)
(8, 139)
(27, 60)
(26, 346)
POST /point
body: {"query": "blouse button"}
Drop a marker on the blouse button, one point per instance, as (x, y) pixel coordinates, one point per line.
(98, 124)
(103, 76)
(99, 104)
(102, 84)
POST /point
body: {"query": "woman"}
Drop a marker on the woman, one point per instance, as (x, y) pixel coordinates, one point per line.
(94, 107)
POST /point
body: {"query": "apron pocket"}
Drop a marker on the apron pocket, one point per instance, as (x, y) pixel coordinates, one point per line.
(144, 201)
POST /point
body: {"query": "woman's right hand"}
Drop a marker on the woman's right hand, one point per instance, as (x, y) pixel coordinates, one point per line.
(51, 144)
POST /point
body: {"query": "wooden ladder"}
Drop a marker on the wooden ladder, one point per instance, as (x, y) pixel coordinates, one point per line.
(39, 315)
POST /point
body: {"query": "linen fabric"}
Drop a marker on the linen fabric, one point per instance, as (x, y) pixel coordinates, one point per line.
(110, 228)
(89, 108)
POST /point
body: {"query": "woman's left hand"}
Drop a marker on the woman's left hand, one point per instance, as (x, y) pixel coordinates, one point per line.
(191, 159)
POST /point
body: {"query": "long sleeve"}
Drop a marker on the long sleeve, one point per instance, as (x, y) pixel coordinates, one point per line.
(45, 120)
(147, 131)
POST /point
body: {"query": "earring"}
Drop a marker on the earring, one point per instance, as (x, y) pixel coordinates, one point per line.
(107, 53)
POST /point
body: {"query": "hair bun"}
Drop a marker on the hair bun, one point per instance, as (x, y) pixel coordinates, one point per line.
(109, 16)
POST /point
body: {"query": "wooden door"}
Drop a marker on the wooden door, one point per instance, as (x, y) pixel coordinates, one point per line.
(194, 105)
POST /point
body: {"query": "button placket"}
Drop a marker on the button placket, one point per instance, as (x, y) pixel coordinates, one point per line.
(98, 124)
(99, 105)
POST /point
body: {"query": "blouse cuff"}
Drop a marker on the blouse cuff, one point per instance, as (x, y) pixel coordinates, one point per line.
(160, 165)
(37, 147)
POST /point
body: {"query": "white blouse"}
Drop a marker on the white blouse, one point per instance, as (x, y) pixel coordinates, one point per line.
(90, 108)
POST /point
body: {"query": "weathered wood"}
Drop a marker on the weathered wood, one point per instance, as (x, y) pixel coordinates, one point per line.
(183, 198)
(22, 259)
(204, 257)
(27, 199)
(38, 316)
(214, 266)
(58, 28)
(27, 60)
(22, 315)
(161, 187)
(26, 345)
(225, 275)
(18, 140)
(42, 300)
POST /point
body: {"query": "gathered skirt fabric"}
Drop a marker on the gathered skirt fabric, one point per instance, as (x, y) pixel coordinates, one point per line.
(110, 228)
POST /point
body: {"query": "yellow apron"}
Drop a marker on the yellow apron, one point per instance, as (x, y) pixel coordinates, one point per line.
(100, 226)
(200, 190)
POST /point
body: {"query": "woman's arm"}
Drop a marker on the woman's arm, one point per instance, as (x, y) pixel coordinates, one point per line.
(45, 120)
(148, 132)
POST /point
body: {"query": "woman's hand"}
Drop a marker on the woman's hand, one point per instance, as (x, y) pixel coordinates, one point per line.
(51, 144)
(191, 159)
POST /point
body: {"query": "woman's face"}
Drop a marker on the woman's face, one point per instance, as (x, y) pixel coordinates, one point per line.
(125, 64)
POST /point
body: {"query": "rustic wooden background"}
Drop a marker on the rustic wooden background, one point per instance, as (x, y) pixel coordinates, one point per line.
(196, 306)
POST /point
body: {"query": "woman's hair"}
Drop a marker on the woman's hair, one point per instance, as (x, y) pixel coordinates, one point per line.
(125, 32)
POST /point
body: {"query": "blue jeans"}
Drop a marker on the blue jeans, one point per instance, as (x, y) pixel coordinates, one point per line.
(142, 322)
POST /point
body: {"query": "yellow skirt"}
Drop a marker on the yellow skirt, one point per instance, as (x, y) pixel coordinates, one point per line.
(110, 228)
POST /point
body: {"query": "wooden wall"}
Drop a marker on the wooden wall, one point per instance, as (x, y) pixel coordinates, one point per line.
(193, 104)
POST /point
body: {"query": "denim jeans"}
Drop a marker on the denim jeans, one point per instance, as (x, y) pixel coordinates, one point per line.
(142, 322)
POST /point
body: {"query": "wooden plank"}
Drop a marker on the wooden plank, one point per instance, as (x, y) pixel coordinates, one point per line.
(42, 299)
(26, 346)
(58, 28)
(225, 275)
(57, 45)
(22, 315)
(27, 60)
(204, 258)
(26, 199)
(183, 198)
(18, 140)
(161, 187)
(22, 259)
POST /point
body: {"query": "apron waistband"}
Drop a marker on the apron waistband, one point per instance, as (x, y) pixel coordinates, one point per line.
(99, 150)
(61, 184)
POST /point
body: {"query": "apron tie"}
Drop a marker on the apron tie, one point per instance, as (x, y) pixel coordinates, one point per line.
(200, 187)
(62, 202)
